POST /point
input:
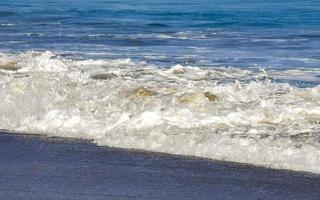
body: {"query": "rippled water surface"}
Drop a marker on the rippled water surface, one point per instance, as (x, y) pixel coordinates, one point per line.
(205, 32)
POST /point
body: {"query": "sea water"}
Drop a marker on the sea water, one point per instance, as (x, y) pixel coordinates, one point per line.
(230, 80)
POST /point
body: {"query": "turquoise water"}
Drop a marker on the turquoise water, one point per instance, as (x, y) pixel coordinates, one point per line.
(256, 33)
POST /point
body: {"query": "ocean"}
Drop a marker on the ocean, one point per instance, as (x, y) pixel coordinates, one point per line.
(229, 80)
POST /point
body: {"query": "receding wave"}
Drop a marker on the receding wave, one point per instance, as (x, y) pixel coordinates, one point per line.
(219, 113)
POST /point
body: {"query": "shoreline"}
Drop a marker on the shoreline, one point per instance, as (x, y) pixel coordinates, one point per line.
(37, 167)
(142, 151)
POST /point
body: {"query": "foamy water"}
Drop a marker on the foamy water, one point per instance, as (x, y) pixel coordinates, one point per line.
(219, 113)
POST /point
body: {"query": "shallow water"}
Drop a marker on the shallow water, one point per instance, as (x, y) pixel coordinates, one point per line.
(224, 80)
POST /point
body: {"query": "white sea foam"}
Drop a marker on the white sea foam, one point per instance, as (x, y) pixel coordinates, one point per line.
(219, 113)
(186, 35)
(297, 74)
(7, 24)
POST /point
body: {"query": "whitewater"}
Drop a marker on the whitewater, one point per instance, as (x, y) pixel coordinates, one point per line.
(221, 113)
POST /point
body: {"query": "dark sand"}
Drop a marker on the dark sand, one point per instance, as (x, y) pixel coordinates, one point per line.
(40, 168)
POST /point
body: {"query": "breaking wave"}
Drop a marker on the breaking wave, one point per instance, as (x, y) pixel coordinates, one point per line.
(220, 113)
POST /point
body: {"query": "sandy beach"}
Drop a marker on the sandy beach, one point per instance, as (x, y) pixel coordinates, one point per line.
(33, 167)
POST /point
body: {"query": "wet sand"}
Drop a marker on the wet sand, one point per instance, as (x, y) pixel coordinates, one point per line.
(33, 167)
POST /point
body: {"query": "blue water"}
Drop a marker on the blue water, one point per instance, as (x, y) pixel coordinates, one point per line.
(251, 33)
